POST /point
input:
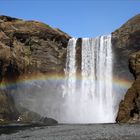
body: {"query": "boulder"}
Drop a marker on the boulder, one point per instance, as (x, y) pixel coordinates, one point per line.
(49, 121)
(26, 116)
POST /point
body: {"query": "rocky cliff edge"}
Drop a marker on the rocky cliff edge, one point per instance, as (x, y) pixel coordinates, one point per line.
(26, 48)
(129, 40)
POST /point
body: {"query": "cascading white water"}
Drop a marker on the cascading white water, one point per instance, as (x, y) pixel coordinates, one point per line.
(91, 99)
(70, 84)
(97, 98)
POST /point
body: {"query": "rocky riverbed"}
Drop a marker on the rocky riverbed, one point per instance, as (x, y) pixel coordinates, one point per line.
(73, 132)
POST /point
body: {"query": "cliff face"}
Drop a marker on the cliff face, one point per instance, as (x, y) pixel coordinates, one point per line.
(27, 47)
(129, 110)
(127, 39)
(31, 47)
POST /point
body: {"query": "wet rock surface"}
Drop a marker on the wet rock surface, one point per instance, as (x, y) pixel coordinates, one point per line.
(75, 132)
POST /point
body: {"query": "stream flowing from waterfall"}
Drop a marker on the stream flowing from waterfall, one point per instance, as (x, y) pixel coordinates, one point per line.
(89, 97)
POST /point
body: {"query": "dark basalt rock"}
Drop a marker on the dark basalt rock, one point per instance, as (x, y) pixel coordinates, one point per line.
(4, 18)
(49, 121)
(26, 116)
(8, 110)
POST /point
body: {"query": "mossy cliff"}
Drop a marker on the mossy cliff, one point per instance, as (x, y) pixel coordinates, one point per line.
(26, 48)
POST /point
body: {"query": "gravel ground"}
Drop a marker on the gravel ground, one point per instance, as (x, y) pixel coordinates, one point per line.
(74, 132)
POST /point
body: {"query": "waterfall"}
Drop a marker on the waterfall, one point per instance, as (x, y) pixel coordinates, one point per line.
(70, 84)
(89, 98)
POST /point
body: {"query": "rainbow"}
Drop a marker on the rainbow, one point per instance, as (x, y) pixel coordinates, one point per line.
(120, 82)
(28, 80)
